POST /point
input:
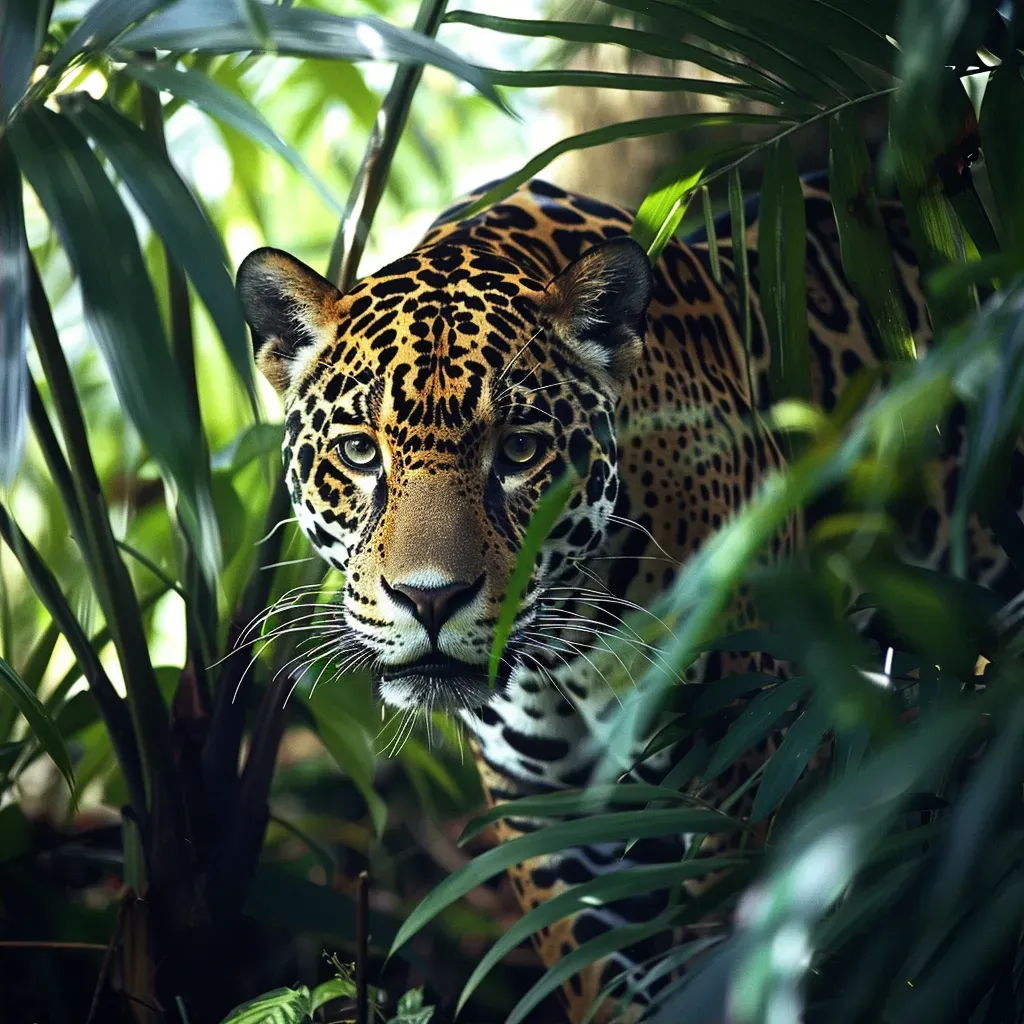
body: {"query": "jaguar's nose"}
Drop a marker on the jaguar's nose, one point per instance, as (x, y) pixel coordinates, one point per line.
(433, 606)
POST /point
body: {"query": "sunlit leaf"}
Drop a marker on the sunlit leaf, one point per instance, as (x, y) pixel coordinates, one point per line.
(176, 217)
(298, 32)
(601, 136)
(41, 724)
(226, 106)
(102, 24)
(13, 316)
(665, 205)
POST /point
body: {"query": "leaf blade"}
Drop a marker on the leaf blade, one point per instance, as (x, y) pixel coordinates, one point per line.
(13, 317)
(42, 725)
(175, 215)
(120, 308)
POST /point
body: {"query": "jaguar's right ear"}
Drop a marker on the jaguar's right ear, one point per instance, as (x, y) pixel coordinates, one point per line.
(291, 310)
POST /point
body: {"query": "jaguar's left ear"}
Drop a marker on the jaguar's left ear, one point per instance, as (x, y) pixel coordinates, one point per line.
(598, 305)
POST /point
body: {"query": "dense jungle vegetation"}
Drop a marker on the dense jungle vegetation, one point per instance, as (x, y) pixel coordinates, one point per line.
(189, 824)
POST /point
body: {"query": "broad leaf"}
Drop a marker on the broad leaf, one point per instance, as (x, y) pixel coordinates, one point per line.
(1003, 145)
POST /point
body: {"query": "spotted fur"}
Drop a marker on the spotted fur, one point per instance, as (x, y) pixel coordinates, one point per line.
(539, 319)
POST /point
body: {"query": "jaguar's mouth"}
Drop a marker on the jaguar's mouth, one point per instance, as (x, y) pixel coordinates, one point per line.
(439, 682)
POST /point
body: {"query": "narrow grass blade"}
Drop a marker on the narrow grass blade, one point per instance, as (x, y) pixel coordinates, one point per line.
(601, 828)
(611, 133)
(569, 802)
(665, 205)
(864, 243)
(549, 508)
(41, 724)
(710, 233)
(615, 885)
(782, 251)
(1003, 146)
(13, 317)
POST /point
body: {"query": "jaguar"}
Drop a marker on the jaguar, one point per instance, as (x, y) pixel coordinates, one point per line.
(429, 408)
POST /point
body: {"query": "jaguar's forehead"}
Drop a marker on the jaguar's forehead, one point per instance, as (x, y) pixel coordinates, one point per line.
(427, 331)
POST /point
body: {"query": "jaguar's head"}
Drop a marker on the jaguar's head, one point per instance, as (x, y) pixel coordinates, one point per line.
(427, 411)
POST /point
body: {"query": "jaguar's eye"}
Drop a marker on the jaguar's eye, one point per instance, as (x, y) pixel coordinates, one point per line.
(359, 452)
(521, 450)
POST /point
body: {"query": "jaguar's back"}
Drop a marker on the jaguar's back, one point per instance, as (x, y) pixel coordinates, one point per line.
(430, 407)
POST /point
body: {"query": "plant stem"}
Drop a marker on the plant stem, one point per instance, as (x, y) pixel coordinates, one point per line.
(362, 947)
(371, 180)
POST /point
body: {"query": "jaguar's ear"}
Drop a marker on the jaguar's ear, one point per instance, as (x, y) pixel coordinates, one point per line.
(598, 305)
(291, 311)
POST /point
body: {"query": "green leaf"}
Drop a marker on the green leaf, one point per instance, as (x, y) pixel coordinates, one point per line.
(13, 317)
(299, 32)
(864, 242)
(711, 235)
(755, 721)
(336, 988)
(664, 206)
(349, 744)
(104, 22)
(935, 231)
(601, 828)
(176, 217)
(17, 54)
(581, 957)
(666, 45)
(542, 522)
(741, 268)
(281, 1006)
(1002, 143)
(251, 443)
(228, 107)
(599, 137)
(782, 254)
(787, 764)
(41, 724)
(569, 802)
(120, 309)
(605, 889)
(634, 83)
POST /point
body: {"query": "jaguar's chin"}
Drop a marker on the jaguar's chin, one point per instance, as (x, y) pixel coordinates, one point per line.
(436, 682)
